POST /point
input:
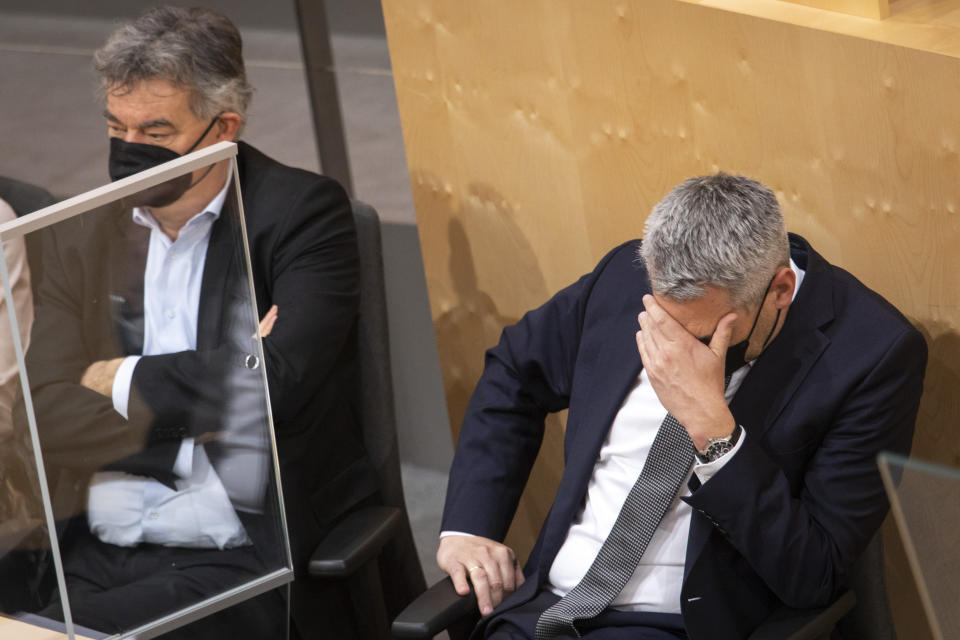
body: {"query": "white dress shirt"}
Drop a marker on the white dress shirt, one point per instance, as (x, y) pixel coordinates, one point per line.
(125, 509)
(657, 581)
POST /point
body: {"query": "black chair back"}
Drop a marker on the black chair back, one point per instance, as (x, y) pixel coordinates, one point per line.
(871, 617)
(26, 198)
(22, 197)
(399, 562)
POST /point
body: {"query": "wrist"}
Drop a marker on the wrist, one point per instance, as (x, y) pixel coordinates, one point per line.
(719, 427)
(717, 448)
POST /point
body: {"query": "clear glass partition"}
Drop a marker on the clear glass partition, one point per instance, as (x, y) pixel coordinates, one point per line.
(925, 500)
(139, 487)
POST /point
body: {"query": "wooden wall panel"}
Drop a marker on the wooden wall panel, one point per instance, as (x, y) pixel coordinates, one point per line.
(540, 133)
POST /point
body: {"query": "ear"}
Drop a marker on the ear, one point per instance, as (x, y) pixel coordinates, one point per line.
(228, 126)
(783, 285)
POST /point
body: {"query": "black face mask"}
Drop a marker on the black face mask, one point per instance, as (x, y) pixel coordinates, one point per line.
(737, 353)
(129, 158)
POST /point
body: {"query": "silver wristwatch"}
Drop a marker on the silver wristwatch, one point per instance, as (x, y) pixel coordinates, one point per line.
(717, 447)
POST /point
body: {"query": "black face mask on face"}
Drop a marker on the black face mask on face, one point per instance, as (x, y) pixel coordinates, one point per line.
(737, 353)
(129, 158)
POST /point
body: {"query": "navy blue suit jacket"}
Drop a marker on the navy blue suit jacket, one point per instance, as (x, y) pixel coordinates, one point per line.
(786, 518)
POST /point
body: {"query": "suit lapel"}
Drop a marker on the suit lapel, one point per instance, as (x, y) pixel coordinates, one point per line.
(126, 255)
(782, 367)
(213, 287)
(612, 371)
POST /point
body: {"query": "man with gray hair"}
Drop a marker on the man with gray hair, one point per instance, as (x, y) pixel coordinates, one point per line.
(141, 541)
(719, 461)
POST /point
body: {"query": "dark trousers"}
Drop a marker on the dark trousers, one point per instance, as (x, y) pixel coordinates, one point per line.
(520, 623)
(113, 589)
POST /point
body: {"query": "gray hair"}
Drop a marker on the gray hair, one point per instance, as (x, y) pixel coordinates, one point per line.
(197, 49)
(722, 230)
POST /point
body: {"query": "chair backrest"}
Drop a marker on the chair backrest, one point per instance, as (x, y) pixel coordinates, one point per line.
(377, 418)
(22, 197)
(26, 198)
(373, 345)
(871, 617)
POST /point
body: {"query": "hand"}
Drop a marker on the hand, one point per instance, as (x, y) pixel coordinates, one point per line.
(492, 567)
(266, 325)
(99, 376)
(686, 375)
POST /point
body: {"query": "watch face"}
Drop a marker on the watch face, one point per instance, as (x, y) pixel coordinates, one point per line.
(716, 449)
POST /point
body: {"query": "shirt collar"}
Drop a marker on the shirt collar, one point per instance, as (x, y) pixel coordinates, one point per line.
(799, 273)
(143, 217)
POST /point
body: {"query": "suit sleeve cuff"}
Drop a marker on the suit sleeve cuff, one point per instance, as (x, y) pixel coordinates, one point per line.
(121, 385)
(706, 470)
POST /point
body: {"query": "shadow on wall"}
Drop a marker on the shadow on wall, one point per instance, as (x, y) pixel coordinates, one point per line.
(472, 323)
(934, 440)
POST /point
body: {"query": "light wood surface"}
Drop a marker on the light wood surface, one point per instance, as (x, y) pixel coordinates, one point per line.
(540, 133)
(924, 25)
(876, 9)
(15, 630)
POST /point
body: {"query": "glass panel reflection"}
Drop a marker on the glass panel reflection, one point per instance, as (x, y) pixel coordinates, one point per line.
(925, 500)
(25, 561)
(145, 378)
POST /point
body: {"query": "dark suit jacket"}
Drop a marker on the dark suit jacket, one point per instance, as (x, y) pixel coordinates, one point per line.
(785, 519)
(304, 259)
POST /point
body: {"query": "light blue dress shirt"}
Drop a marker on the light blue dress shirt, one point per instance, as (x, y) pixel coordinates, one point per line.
(125, 509)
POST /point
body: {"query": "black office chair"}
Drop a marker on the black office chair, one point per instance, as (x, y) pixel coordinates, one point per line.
(864, 615)
(378, 539)
(26, 198)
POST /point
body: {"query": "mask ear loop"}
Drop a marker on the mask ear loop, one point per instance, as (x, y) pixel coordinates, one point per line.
(775, 320)
(772, 329)
(759, 309)
(194, 146)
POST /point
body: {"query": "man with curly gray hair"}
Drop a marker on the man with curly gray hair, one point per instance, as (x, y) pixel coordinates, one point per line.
(719, 461)
(174, 81)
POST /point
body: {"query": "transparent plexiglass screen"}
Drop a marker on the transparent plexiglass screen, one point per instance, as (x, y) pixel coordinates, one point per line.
(925, 499)
(25, 559)
(147, 387)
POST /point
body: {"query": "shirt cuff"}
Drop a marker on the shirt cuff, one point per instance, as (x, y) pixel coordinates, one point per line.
(183, 466)
(444, 534)
(121, 385)
(706, 470)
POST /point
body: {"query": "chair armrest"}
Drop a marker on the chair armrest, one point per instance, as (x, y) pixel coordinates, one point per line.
(804, 624)
(433, 611)
(354, 541)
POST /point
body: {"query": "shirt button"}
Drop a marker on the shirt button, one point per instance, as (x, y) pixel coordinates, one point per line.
(170, 314)
(153, 515)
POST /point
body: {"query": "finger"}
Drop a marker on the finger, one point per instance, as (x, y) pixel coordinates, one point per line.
(649, 331)
(663, 322)
(721, 337)
(507, 563)
(519, 578)
(481, 588)
(647, 343)
(459, 577)
(494, 581)
(268, 323)
(642, 348)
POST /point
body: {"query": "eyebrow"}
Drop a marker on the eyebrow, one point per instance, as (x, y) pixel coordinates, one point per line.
(149, 124)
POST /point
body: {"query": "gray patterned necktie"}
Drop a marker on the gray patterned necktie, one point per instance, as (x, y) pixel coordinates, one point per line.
(667, 464)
